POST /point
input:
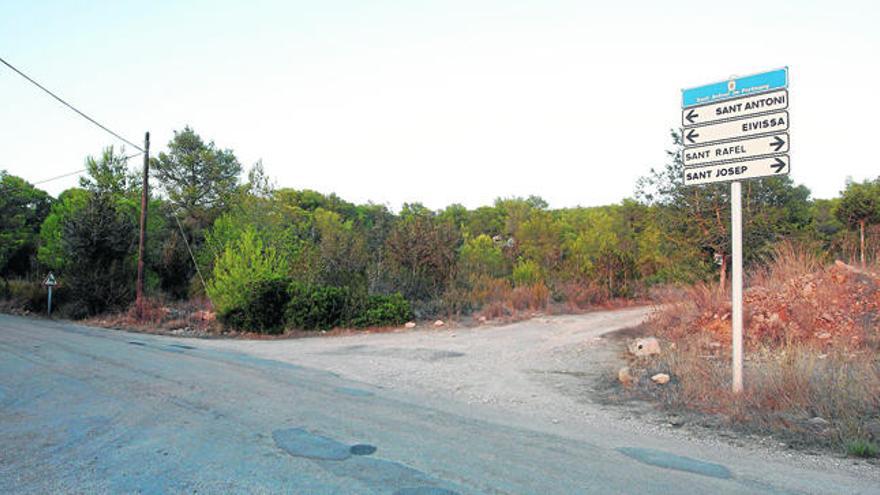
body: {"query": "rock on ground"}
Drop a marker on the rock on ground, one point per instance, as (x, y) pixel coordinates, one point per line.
(625, 376)
(660, 378)
(647, 346)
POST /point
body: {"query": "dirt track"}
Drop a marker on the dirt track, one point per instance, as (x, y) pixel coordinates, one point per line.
(529, 366)
(546, 369)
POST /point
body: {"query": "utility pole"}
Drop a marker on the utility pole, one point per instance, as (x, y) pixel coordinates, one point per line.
(145, 200)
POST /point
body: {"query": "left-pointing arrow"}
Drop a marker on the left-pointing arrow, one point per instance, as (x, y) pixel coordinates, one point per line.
(691, 115)
(691, 135)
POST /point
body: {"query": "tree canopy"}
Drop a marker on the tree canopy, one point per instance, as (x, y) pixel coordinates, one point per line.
(198, 177)
(22, 210)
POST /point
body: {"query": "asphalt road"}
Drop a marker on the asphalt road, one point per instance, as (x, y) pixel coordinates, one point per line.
(87, 410)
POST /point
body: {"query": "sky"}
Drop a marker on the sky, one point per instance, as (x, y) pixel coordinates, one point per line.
(437, 102)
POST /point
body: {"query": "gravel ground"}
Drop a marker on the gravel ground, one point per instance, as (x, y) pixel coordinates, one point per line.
(545, 369)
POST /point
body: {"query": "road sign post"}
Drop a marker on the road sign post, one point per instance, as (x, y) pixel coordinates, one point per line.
(49, 283)
(736, 281)
(736, 130)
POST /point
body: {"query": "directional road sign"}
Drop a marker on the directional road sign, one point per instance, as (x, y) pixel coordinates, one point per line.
(735, 108)
(736, 150)
(732, 88)
(736, 129)
(732, 131)
(726, 172)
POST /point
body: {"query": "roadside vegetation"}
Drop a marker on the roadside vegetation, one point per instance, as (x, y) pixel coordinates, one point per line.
(229, 250)
(812, 370)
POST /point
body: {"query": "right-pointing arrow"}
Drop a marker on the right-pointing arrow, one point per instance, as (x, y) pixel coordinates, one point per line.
(691, 134)
(778, 166)
(777, 143)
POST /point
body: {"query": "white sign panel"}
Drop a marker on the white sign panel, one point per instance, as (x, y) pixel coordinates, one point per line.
(736, 150)
(749, 169)
(736, 108)
(736, 129)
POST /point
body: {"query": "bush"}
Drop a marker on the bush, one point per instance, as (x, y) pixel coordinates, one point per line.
(262, 307)
(99, 243)
(27, 294)
(383, 311)
(481, 257)
(315, 307)
(526, 272)
(420, 255)
(243, 265)
(532, 297)
(862, 448)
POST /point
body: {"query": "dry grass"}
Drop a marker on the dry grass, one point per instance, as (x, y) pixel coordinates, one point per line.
(795, 391)
(812, 373)
(194, 317)
(578, 297)
(497, 299)
(534, 297)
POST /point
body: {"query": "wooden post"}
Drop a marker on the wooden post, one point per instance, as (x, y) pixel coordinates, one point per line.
(145, 200)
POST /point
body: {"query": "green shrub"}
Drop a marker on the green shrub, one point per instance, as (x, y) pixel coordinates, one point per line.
(526, 273)
(382, 311)
(316, 307)
(246, 261)
(262, 307)
(481, 257)
(862, 448)
(99, 244)
(27, 294)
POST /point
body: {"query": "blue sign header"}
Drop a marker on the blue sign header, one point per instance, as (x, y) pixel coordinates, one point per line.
(740, 86)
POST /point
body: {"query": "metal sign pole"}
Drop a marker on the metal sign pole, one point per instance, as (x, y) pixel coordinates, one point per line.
(49, 283)
(737, 284)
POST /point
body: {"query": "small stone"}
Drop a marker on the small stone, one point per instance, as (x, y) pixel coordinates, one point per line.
(823, 335)
(818, 421)
(482, 319)
(660, 378)
(625, 377)
(439, 323)
(647, 346)
(808, 289)
(410, 324)
(676, 421)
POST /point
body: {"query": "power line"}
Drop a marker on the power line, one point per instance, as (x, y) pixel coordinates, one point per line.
(68, 105)
(58, 177)
(76, 172)
(191, 255)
